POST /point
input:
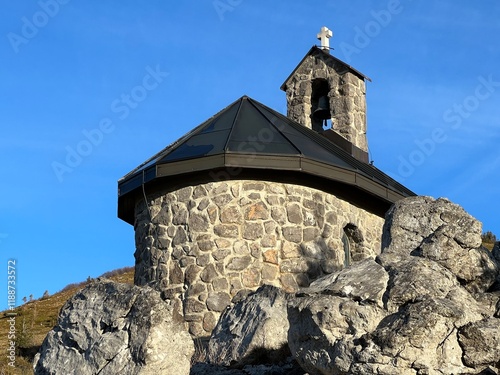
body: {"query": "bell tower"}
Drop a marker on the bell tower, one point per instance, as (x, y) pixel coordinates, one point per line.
(329, 96)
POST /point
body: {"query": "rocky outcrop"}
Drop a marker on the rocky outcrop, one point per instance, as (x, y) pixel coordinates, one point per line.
(443, 232)
(110, 328)
(427, 305)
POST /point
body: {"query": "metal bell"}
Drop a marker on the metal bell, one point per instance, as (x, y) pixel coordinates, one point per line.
(323, 110)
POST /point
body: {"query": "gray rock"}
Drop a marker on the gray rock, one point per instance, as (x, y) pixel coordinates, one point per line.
(411, 220)
(366, 281)
(110, 328)
(325, 328)
(443, 232)
(481, 342)
(253, 330)
(218, 301)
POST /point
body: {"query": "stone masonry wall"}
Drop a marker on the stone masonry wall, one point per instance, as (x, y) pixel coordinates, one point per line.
(347, 97)
(210, 243)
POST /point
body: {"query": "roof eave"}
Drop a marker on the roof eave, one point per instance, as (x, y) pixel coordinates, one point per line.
(296, 163)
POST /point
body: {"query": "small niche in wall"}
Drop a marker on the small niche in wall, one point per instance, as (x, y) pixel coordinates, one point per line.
(352, 240)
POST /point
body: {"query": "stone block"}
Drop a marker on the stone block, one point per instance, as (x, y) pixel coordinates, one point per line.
(254, 196)
(220, 188)
(230, 214)
(220, 254)
(180, 214)
(163, 243)
(294, 266)
(327, 231)
(253, 231)
(220, 284)
(184, 194)
(257, 211)
(212, 212)
(270, 227)
(171, 231)
(209, 273)
(310, 234)
(255, 250)
(196, 329)
(270, 272)
(196, 289)
(275, 200)
(251, 278)
(226, 230)
(176, 276)
(235, 190)
(199, 192)
(268, 240)
(292, 234)
(279, 215)
(236, 285)
(239, 263)
(180, 237)
(241, 248)
(222, 243)
(192, 305)
(270, 256)
(203, 259)
(290, 250)
(191, 274)
(163, 216)
(288, 283)
(198, 222)
(209, 321)
(218, 301)
(294, 213)
(253, 186)
(331, 218)
(222, 200)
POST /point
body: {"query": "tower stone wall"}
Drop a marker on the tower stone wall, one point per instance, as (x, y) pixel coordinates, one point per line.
(346, 95)
(207, 244)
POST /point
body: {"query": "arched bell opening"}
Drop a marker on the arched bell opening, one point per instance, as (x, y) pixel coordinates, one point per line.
(320, 105)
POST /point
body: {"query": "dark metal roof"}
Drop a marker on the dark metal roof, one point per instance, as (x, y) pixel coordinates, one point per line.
(247, 134)
(316, 49)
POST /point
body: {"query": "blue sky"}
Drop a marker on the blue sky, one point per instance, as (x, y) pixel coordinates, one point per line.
(91, 89)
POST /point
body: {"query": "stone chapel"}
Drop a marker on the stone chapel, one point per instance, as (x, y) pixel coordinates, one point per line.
(253, 197)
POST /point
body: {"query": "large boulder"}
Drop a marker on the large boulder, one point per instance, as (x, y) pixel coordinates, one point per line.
(328, 319)
(110, 328)
(424, 306)
(253, 330)
(481, 342)
(443, 232)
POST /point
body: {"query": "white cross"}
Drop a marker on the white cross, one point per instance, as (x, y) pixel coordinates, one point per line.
(324, 35)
